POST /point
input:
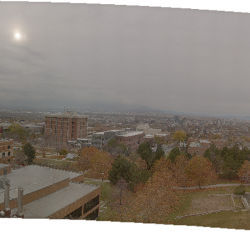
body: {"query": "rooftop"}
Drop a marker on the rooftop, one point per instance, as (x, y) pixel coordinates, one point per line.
(34, 177)
(67, 115)
(131, 133)
(6, 140)
(98, 133)
(48, 205)
(148, 136)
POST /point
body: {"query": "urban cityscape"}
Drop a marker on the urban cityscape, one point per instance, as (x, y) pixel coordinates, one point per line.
(106, 166)
(125, 114)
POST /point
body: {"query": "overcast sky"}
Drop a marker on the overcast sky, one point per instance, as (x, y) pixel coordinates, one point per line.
(110, 56)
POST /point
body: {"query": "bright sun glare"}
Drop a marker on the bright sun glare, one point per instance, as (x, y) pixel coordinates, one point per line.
(17, 36)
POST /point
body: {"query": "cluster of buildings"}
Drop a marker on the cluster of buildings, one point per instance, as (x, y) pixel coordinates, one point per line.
(41, 192)
(71, 130)
(131, 139)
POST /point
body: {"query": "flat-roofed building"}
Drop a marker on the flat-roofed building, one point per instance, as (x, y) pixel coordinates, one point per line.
(100, 139)
(6, 151)
(147, 130)
(48, 193)
(132, 139)
(59, 129)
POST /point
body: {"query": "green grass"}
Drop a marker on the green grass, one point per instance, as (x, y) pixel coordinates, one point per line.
(187, 196)
(228, 219)
(60, 164)
(106, 189)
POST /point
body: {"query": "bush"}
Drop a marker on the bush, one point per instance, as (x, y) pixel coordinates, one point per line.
(63, 152)
(240, 190)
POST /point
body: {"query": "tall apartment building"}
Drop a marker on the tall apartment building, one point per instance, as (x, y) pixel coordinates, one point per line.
(59, 129)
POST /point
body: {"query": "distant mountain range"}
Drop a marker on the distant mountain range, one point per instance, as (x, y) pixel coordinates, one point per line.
(113, 108)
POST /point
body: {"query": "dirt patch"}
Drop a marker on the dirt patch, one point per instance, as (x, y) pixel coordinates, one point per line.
(210, 203)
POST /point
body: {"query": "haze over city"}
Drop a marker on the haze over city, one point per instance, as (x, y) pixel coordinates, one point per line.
(117, 58)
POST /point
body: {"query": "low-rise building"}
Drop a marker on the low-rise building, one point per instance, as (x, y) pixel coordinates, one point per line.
(132, 139)
(100, 139)
(147, 129)
(198, 147)
(34, 128)
(6, 150)
(41, 192)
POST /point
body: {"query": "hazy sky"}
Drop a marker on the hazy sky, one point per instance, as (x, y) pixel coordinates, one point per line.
(111, 56)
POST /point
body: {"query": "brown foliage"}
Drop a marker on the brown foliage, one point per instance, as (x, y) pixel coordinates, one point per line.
(95, 162)
(180, 170)
(154, 201)
(177, 168)
(199, 171)
(244, 172)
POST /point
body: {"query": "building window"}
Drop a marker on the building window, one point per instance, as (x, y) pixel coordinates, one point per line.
(93, 215)
(3, 154)
(91, 204)
(8, 153)
(76, 214)
(9, 147)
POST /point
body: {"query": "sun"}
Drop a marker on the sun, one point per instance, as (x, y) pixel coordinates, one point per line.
(17, 36)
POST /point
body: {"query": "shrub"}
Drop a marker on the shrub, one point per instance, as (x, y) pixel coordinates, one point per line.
(240, 190)
(63, 152)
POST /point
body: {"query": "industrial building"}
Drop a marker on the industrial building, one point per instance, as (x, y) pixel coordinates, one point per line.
(41, 192)
(69, 126)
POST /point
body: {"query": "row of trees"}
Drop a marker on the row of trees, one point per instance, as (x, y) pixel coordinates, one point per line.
(153, 193)
(147, 193)
(227, 161)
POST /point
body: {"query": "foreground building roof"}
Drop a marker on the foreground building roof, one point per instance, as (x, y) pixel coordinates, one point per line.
(48, 193)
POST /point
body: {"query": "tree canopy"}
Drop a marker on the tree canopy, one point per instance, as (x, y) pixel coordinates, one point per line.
(155, 200)
(244, 171)
(30, 152)
(116, 148)
(16, 131)
(227, 161)
(180, 135)
(95, 162)
(199, 171)
(148, 155)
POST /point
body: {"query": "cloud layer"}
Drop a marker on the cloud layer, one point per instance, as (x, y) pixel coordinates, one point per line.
(90, 55)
